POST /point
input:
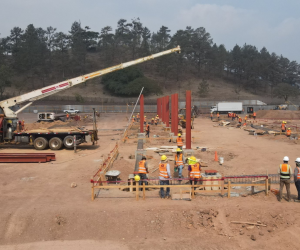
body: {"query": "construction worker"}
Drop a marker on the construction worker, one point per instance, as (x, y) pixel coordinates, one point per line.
(240, 120)
(218, 115)
(133, 119)
(145, 120)
(68, 116)
(143, 170)
(20, 126)
(288, 132)
(179, 141)
(297, 178)
(246, 117)
(148, 130)
(23, 124)
(211, 116)
(194, 170)
(254, 115)
(152, 121)
(179, 162)
(283, 126)
(156, 120)
(138, 117)
(285, 172)
(164, 175)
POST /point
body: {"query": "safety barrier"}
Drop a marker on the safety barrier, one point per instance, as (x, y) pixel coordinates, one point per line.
(99, 176)
(224, 183)
(125, 135)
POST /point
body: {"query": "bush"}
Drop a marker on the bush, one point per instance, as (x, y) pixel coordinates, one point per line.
(129, 82)
(79, 98)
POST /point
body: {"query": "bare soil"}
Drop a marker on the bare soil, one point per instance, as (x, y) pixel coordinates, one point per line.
(40, 210)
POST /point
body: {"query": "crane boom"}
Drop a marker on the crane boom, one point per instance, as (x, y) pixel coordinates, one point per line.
(55, 88)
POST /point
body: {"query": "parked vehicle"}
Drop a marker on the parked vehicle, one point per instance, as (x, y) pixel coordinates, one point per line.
(71, 111)
(227, 107)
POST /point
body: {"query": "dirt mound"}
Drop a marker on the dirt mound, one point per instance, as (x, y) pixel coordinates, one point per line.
(279, 114)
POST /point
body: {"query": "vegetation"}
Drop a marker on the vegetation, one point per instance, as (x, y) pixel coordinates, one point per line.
(203, 88)
(43, 56)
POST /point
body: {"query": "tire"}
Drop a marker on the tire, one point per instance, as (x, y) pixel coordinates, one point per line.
(40, 143)
(55, 143)
(69, 141)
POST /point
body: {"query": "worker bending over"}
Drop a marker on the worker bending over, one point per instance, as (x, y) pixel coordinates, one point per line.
(283, 126)
(148, 130)
(288, 132)
(285, 172)
(179, 162)
(194, 170)
(164, 176)
(143, 170)
(179, 141)
(297, 178)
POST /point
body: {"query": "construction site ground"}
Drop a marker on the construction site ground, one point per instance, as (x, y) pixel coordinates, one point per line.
(40, 209)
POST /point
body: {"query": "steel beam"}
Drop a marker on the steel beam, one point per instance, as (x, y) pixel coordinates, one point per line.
(167, 111)
(188, 135)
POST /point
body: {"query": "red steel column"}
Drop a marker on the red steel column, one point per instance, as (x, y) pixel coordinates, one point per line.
(142, 114)
(172, 113)
(188, 136)
(163, 109)
(167, 111)
(176, 115)
(157, 107)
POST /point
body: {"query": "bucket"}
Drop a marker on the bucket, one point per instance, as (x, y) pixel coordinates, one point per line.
(221, 160)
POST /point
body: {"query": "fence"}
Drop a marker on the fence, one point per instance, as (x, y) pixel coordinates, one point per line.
(223, 183)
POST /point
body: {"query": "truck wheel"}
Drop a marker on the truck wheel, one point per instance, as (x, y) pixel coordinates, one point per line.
(69, 141)
(55, 143)
(40, 143)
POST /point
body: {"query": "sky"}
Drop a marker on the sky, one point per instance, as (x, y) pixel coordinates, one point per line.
(274, 24)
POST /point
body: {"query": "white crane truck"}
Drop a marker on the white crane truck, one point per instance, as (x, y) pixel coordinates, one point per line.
(55, 139)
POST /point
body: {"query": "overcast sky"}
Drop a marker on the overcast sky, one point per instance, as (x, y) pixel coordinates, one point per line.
(274, 24)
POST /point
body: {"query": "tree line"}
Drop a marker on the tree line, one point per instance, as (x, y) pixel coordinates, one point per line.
(35, 57)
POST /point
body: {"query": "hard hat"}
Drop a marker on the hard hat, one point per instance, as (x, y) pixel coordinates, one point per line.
(152, 118)
(137, 178)
(192, 160)
(164, 158)
(179, 134)
(133, 116)
(288, 128)
(286, 158)
(145, 116)
(282, 121)
(179, 150)
(297, 160)
(157, 115)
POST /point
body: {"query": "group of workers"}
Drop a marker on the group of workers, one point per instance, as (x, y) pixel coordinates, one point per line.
(234, 116)
(283, 129)
(154, 121)
(285, 171)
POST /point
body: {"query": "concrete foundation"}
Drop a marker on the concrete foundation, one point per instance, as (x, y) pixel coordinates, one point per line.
(188, 152)
(142, 136)
(171, 134)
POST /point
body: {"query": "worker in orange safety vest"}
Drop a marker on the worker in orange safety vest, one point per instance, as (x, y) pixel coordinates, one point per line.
(179, 162)
(285, 172)
(288, 132)
(148, 130)
(283, 126)
(194, 170)
(218, 115)
(164, 176)
(254, 115)
(143, 170)
(179, 141)
(23, 124)
(138, 117)
(297, 178)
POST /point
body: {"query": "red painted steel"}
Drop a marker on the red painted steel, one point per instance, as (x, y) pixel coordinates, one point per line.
(176, 114)
(167, 111)
(157, 106)
(26, 157)
(172, 113)
(163, 109)
(188, 135)
(142, 114)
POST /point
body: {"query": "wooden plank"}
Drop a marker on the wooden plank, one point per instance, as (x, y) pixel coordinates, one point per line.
(137, 191)
(248, 223)
(228, 191)
(144, 191)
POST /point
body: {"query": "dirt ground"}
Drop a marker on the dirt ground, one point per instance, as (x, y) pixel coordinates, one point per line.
(40, 210)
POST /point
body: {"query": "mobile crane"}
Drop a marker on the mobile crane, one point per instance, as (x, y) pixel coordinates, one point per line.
(55, 140)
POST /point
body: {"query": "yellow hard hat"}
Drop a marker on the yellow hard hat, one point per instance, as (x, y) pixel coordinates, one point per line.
(145, 116)
(156, 115)
(288, 128)
(133, 116)
(164, 158)
(179, 150)
(192, 160)
(137, 178)
(179, 134)
(152, 118)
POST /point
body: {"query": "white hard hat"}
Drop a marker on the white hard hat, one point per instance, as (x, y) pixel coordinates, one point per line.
(297, 160)
(286, 158)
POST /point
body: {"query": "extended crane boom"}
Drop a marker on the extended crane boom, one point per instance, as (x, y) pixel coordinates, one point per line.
(55, 88)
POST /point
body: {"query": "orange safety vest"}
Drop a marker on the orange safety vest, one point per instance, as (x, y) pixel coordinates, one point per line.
(178, 160)
(230, 114)
(254, 114)
(218, 115)
(298, 175)
(288, 132)
(137, 116)
(240, 119)
(147, 128)
(163, 170)
(22, 123)
(142, 168)
(68, 115)
(211, 115)
(195, 172)
(234, 115)
(285, 171)
(179, 142)
(283, 126)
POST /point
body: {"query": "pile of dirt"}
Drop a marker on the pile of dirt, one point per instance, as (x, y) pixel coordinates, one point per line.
(278, 114)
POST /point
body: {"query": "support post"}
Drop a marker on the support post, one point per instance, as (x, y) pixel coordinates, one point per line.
(267, 185)
(228, 190)
(188, 143)
(163, 110)
(172, 113)
(167, 111)
(176, 114)
(137, 190)
(142, 114)
(144, 191)
(222, 187)
(131, 186)
(157, 106)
